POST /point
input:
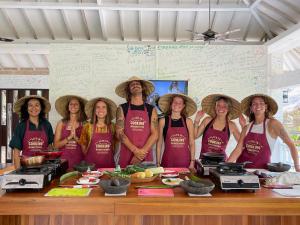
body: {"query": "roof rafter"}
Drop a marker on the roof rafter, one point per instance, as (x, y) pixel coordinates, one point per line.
(176, 23)
(262, 24)
(29, 59)
(86, 27)
(10, 24)
(102, 21)
(27, 20)
(171, 7)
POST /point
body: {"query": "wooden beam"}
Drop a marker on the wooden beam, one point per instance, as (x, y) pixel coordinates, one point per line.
(158, 24)
(140, 23)
(168, 7)
(262, 24)
(27, 20)
(29, 59)
(274, 20)
(10, 23)
(24, 71)
(50, 30)
(86, 27)
(176, 24)
(102, 21)
(278, 11)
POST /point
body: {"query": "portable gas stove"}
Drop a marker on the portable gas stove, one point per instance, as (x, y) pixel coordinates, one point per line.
(34, 177)
(209, 160)
(232, 176)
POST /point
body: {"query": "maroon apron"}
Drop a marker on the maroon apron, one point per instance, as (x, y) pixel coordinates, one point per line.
(256, 149)
(72, 150)
(215, 140)
(34, 141)
(177, 152)
(100, 150)
(137, 129)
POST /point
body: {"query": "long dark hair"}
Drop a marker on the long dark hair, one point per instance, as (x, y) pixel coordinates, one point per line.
(251, 114)
(24, 109)
(183, 112)
(228, 102)
(108, 117)
(81, 115)
(128, 93)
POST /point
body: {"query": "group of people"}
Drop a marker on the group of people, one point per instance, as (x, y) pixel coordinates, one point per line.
(86, 131)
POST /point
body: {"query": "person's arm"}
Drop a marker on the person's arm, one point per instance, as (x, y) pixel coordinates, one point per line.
(153, 133)
(234, 131)
(239, 147)
(190, 128)
(278, 129)
(17, 158)
(161, 125)
(47, 125)
(58, 142)
(84, 139)
(120, 125)
(198, 131)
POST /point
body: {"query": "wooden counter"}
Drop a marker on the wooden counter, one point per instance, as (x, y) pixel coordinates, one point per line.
(240, 208)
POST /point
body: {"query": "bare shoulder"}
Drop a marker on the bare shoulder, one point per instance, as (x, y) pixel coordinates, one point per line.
(59, 124)
(206, 120)
(274, 123)
(119, 112)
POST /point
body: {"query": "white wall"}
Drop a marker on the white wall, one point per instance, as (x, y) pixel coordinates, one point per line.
(95, 70)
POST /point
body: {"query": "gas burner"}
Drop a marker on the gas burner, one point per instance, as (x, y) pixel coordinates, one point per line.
(231, 171)
(209, 162)
(32, 170)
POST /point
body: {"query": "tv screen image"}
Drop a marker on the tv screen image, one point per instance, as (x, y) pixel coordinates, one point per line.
(166, 87)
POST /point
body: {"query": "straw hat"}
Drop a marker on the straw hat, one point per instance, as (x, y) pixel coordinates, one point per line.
(91, 103)
(121, 88)
(272, 105)
(165, 101)
(62, 102)
(209, 102)
(18, 105)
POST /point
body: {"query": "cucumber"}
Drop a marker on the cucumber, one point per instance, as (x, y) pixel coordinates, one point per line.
(68, 176)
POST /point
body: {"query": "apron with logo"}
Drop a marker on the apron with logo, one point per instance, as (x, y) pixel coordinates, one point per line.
(137, 129)
(214, 140)
(100, 150)
(256, 149)
(72, 150)
(34, 141)
(177, 152)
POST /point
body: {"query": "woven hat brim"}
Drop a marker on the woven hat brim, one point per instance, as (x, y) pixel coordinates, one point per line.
(62, 102)
(272, 104)
(165, 101)
(121, 88)
(18, 105)
(209, 102)
(89, 106)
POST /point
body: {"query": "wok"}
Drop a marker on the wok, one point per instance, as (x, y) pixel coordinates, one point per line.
(27, 161)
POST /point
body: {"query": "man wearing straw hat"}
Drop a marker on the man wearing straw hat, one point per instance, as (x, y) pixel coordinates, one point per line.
(137, 122)
(258, 138)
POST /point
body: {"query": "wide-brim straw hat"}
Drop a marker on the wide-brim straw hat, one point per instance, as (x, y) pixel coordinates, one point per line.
(89, 106)
(246, 104)
(122, 87)
(165, 101)
(62, 102)
(208, 105)
(18, 105)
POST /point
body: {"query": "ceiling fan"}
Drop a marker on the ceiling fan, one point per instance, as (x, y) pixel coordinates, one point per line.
(6, 39)
(211, 35)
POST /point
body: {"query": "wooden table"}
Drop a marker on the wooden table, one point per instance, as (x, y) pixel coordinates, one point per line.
(261, 208)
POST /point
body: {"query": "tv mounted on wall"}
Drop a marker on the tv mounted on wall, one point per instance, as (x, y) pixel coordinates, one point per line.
(166, 87)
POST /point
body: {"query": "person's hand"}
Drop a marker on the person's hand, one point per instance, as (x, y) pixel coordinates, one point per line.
(199, 116)
(135, 161)
(242, 121)
(192, 167)
(140, 153)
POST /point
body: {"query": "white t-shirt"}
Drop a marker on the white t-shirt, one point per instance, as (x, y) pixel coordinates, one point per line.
(259, 129)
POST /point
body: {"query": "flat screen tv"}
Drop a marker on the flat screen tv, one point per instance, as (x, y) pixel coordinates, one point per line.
(166, 87)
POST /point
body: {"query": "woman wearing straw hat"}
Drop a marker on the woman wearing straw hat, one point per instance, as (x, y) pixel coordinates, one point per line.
(136, 122)
(97, 138)
(34, 133)
(258, 138)
(177, 131)
(216, 128)
(68, 130)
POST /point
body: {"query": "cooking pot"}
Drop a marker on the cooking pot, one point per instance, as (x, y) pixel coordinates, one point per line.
(278, 167)
(50, 154)
(27, 161)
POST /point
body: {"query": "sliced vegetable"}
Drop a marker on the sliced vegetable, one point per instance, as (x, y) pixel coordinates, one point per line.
(68, 175)
(157, 170)
(193, 177)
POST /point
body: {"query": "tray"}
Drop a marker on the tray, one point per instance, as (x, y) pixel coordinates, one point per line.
(143, 180)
